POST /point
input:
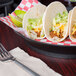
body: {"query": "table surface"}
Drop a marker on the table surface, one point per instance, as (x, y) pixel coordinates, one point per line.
(11, 40)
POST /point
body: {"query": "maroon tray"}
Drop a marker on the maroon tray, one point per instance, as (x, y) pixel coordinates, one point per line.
(10, 39)
(58, 51)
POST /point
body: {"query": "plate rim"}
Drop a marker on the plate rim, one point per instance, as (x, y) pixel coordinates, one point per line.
(29, 39)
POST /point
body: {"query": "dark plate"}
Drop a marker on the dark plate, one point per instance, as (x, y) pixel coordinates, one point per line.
(59, 51)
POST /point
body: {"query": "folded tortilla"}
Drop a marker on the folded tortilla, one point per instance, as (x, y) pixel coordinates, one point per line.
(33, 15)
(72, 30)
(51, 11)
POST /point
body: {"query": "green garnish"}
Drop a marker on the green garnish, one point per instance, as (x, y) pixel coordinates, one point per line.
(20, 13)
(35, 21)
(29, 27)
(60, 18)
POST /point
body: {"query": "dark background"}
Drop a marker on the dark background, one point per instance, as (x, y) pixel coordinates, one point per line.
(67, 3)
(11, 7)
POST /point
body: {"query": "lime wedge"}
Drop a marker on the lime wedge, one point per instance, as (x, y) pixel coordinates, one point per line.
(20, 13)
(16, 20)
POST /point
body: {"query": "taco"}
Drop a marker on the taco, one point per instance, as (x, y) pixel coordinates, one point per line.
(55, 22)
(72, 30)
(32, 22)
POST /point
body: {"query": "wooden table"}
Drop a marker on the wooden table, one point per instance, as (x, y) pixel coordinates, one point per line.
(11, 40)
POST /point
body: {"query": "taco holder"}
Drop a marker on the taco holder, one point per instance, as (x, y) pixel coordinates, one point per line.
(65, 49)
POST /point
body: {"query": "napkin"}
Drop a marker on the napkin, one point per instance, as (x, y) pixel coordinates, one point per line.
(10, 68)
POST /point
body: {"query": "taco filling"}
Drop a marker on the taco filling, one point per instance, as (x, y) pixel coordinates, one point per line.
(74, 30)
(59, 25)
(35, 28)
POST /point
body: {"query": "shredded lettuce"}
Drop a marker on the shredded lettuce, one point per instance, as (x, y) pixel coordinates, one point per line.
(35, 21)
(35, 27)
(29, 27)
(60, 18)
